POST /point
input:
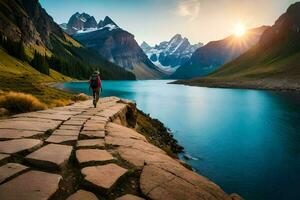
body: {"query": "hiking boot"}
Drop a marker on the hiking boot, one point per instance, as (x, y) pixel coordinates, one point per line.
(95, 103)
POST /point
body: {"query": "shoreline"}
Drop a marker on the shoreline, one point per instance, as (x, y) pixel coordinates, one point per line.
(243, 84)
(153, 129)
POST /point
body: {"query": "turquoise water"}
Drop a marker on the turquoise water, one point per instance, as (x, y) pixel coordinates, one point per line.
(247, 141)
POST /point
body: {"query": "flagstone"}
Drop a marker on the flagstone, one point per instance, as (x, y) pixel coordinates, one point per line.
(82, 195)
(69, 127)
(94, 127)
(3, 156)
(61, 138)
(129, 197)
(54, 116)
(50, 156)
(15, 134)
(74, 122)
(29, 125)
(104, 177)
(33, 185)
(93, 134)
(93, 155)
(99, 143)
(10, 169)
(18, 145)
(66, 132)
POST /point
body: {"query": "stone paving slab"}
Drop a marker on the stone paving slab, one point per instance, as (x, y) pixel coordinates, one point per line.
(140, 157)
(69, 127)
(97, 143)
(80, 117)
(82, 195)
(3, 156)
(94, 127)
(10, 169)
(161, 184)
(103, 177)
(29, 125)
(74, 122)
(94, 123)
(59, 117)
(129, 197)
(64, 111)
(93, 134)
(61, 138)
(33, 185)
(116, 130)
(18, 145)
(15, 134)
(31, 119)
(108, 113)
(93, 155)
(99, 119)
(133, 144)
(66, 132)
(50, 156)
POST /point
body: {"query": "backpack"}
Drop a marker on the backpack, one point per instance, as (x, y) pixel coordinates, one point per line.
(94, 82)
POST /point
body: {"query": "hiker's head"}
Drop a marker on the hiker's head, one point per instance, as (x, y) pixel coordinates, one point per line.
(96, 73)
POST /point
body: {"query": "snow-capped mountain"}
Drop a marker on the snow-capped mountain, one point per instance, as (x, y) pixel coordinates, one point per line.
(84, 23)
(169, 55)
(216, 53)
(112, 43)
(79, 21)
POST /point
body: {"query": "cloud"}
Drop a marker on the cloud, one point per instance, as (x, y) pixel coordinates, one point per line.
(189, 8)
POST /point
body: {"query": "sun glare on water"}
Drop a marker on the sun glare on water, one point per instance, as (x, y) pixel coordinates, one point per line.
(239, 30)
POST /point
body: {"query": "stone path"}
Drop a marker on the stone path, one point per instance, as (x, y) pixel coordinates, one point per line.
(80, 152)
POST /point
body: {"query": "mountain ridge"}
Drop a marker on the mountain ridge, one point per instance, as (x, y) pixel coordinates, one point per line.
(271, 64)
(168, 55)
(214, 54)
(118, 46)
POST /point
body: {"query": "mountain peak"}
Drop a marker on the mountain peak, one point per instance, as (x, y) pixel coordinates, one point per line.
(145, 46)
(294, 8)
(176, 37)
(107, 20)
(80, 21)
(168, 55)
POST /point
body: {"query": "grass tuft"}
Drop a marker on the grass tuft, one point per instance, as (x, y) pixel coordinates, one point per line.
(81, 97)
(60, 103)
(16, 102)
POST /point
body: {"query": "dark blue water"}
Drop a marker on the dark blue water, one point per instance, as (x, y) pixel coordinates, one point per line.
(246, 141)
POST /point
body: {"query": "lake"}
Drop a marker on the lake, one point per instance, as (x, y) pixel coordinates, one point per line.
(247, 141)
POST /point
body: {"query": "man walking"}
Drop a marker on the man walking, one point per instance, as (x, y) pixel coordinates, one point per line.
(96, 86)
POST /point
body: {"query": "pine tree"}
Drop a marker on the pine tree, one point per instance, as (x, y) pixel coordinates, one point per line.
(39, 62)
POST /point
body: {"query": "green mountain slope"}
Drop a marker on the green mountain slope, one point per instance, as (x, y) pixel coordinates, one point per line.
(16, 75)
(274, 63)
(27, 21)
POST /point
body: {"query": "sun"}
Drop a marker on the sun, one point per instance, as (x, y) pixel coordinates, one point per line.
(239, 30)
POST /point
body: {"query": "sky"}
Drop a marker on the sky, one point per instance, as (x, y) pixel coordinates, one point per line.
(155, 21)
